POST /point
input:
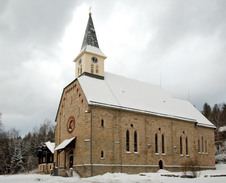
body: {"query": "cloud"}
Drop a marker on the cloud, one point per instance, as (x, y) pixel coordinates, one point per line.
(31, 32)
(183, 42)
(179, 45)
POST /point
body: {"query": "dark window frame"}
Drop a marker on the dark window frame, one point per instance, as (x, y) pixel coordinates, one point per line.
(181, 145)
(127, 140)
(163, 144)
(186, 145)
(156, 143)
(135, 142)
(206, 146)
(102, 122)
(199, 150)
(102, 154)
(202, 145)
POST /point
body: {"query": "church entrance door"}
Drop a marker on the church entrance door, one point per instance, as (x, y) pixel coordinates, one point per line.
(71, 161)
(160, 164)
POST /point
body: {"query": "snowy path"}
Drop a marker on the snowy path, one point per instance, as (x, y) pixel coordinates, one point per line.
(120, 178)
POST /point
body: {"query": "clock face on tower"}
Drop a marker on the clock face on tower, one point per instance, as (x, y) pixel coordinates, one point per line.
(80, 61)
(94, 59)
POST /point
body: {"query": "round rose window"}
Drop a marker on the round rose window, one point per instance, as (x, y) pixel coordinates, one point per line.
(71, 124)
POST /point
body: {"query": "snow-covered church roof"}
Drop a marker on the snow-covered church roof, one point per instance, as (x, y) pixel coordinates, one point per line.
(129, 94)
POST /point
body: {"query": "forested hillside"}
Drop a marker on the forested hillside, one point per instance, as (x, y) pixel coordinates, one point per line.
(217, 115)
(20, 154)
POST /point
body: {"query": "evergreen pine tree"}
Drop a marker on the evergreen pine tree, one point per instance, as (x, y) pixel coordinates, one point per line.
(17, 164)
(207, 111)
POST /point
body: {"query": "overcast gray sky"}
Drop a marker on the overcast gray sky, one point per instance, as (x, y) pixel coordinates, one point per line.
(179, 45)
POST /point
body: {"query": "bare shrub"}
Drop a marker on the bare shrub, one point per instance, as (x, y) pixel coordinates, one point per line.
(190, 169)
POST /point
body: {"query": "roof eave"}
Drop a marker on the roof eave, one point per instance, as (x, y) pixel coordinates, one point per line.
(85, 51)
(150, 113)
(141, 111)
(206, 125)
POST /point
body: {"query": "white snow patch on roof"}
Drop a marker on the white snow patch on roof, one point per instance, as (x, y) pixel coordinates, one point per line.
(222, 129)
(64, 143)
(50, 146)
(92, 49)
(129, 94)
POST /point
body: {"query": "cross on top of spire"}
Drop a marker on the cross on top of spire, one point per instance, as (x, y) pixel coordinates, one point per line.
(90, 10)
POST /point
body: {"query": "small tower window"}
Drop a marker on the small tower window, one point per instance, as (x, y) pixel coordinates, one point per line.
(92, 68)
(97, 69)
(80, 69)
(205, 146)
(135, 141)
(156, 143)
(127, 140)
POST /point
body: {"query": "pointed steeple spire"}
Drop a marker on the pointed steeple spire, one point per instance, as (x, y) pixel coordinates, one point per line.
(90, 37)
(90, 60)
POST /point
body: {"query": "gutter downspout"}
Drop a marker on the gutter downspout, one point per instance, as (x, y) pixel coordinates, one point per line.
(91, 142)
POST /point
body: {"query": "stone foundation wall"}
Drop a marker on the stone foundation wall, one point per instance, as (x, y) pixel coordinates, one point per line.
(85, 170)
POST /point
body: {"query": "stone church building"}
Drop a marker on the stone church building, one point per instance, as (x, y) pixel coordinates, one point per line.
(110, 123)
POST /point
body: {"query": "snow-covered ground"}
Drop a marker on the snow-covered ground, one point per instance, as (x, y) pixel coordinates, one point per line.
(203, 176)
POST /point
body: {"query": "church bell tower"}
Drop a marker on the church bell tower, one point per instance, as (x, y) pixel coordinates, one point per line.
(90, 60)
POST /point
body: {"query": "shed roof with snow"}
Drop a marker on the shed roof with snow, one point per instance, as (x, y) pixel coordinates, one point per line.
(50, 146)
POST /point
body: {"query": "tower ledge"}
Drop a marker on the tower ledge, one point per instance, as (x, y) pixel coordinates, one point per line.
(90, 49)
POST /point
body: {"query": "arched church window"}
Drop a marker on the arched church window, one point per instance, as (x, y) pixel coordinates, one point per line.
(186, 145)
(102, 154)
(198, 145)
(156, 143)
(127, 140)
(102, 123)
(181, 146)
(163, 144)
(202, 145)
(135, 141)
